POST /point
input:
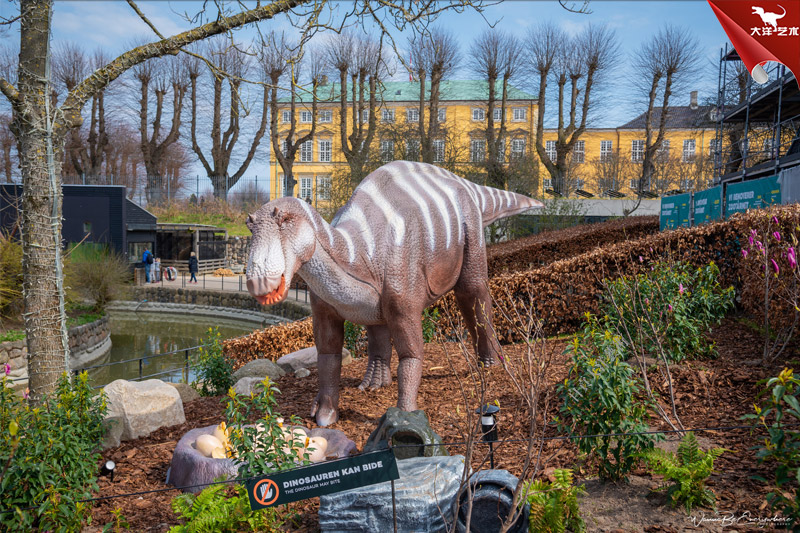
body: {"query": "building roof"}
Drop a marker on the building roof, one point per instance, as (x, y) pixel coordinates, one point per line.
(678, 118)
(408, 91)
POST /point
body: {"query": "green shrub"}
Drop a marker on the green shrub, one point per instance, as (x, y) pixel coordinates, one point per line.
(50, 456)
(213, 369)
(554, 506)
(689, 470)
(430, 317)
(601, 396)
(98, 274)
(214, 511)
(779, 414)
(355, 338)
(676, 302)
(12, 335)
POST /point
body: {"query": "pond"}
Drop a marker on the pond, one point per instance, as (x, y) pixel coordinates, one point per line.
(145, 334)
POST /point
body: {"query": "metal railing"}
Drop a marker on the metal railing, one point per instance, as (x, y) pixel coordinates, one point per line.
(298, 290)
(183, 368)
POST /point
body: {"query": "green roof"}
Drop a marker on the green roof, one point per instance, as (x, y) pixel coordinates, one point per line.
(408, 91)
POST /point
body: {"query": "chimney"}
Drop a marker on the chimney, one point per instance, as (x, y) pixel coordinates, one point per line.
(693, 100)
(323, 80)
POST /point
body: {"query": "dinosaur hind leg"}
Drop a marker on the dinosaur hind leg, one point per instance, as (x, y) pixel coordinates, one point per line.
(475, 305)
(379, 349)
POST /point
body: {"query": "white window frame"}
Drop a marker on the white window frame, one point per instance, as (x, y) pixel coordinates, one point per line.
(438, 150)
(412, 149)
(387, 150)
(714, 146)
(306, 117)
(284, 147)
(550, 149)
(501, 152)
(286, 116)
(307, 152)
(325, 116)
(689, 150)
(634, 184)
(497, 114)
(520, 114)
(306, 184)
(547, 183)
(579, 152)
(364, 115)
(477, 151)
(686, 184)
(324, 150)
(662, 155)
(517, 148)
(387, 116)
(441, 114)
(412, 115)
(323, 187)
(478, 114)
(606, 150)
(637, 150)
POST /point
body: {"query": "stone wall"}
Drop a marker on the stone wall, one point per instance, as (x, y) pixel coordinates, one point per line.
(82, 340)
(237, 250)
(232, 300)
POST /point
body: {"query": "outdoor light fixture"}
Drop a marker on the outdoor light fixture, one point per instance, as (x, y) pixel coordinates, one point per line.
(489, 427)
(107, 470)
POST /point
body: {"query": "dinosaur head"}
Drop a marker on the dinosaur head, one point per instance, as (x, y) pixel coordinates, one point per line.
(283, 239)
(757, 10)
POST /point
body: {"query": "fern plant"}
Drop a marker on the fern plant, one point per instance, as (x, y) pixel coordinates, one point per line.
(554, 505)
(689, 470)
(213, 511)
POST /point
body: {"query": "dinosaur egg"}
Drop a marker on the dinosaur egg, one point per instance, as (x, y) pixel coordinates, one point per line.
(218, 453)
(206, 444)
(221, 432)
(320, 446)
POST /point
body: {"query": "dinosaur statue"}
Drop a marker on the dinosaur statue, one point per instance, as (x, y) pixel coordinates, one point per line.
(410, 233)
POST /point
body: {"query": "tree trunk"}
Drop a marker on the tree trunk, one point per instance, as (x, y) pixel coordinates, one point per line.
(40, 161)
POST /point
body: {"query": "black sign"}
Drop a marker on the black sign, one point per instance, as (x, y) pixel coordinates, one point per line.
(321, 479)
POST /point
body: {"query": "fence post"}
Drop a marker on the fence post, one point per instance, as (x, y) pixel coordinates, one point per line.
(240, 283)
(186, 364)
(140, 369)
(223, 282)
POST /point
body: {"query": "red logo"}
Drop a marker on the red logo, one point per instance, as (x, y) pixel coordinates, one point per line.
(266, 492)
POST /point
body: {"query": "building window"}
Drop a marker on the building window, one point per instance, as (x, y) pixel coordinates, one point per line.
(387, 151)
(325, 116)
(286, 117)
(305, 187)
(635, 184)
(662, 155)
(769, 147)
(501, 152)
(306, 117)
(284, 148)
(364, 115)
(714, 147)
(579, 183)
(478, 114)
(686, 184)
(442, 116)
(517, 149)
(438, 151)
(306, 150)
(497, 114)
(637, 151)
(281, 185)
(412, 115)
(324, 151)
(547, 183)
(579, 152)
(412, 150)
(387, 115)
(606, 149)
(477, 152)
(688, 150)
(520, 114)
(323, 187)
(550, 149)
(87, 227)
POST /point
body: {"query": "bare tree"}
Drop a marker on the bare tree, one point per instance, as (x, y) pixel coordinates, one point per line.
(496, 57)
(577, 66)
(8, 160)
(611, 172)
(662, 66)
(230, 66)
(434, 55)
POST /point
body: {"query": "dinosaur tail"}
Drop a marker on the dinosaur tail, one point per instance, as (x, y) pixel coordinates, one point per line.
(496, 203)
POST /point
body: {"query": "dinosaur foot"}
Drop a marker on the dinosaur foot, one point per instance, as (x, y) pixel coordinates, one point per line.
(325, 410)
(377, 375)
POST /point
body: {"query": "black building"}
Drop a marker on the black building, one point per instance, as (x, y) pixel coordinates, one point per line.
(91, 213)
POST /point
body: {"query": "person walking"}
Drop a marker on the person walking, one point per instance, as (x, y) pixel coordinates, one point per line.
(147, 260)
(193, 267)
(157, 270)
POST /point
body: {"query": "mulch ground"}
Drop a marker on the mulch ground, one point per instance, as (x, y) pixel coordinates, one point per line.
(709, 393)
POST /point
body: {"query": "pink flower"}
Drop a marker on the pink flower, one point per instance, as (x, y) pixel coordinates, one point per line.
(7, 369)
(681, 288)
(669, 307)
(775, 266)
(26, 394)
(750, 238)
(641, 259)
(744, 253)
(792, 258)
(759, 245)
(647, 301)
(774, 220)
(777, 235)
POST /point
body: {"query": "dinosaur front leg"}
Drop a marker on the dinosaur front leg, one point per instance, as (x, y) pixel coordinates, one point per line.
(329, 339)
(379, 349)
(406, 334)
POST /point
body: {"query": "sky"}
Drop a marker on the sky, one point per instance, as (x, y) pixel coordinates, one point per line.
(113, 26)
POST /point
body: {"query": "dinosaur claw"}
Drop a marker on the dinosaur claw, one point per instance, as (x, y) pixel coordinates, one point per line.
(326, 417)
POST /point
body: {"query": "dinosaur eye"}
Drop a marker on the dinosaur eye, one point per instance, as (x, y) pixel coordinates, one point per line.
(250, 222)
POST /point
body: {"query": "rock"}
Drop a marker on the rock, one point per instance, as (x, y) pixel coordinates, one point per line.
(307, 358)
(426, 489)
(113, 434)
(259, 369)
(186, 391)
(143, 407)
(245, 386)
(302, 373)
(492, 501)
(405, 428)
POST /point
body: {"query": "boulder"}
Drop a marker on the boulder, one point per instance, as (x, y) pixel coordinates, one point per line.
(409, 432)
(307, 358)
(424, 497)
(302, 373)
(143, 407)
(245, 386)
(259, 368)
(186, 391)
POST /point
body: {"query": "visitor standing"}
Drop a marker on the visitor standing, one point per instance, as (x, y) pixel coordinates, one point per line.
(156, 270)
(147, 260)
(193, 267)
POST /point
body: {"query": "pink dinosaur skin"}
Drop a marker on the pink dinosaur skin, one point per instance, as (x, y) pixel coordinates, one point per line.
(410, 233)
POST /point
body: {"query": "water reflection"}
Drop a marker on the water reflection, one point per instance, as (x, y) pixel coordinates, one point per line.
(144, 334)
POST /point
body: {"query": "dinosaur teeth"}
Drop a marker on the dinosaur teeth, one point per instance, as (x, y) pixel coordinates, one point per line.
(274, 296)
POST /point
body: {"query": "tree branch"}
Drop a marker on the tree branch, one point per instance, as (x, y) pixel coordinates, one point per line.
(9, 91)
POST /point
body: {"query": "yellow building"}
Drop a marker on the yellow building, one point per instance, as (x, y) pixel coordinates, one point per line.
(462, 118)
(609, 159)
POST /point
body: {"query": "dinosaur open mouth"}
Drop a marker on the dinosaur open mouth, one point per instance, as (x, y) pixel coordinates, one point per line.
(274, 296)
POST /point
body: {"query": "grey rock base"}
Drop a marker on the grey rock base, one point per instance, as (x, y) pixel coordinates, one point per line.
(409, 432)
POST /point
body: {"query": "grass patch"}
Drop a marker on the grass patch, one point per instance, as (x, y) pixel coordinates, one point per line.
(12, 335)
(211, 212)
(83, 319)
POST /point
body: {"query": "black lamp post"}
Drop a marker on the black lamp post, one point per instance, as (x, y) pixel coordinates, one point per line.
(107, 470)
(489, 428)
